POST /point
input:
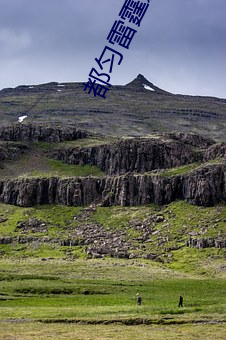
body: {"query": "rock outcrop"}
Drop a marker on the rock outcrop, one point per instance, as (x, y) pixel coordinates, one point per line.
(11, 151)
(219, 242)
(215, 151)
(191, 139)
(205, 186)
(139, 155)
(37, 132)
(132, 166)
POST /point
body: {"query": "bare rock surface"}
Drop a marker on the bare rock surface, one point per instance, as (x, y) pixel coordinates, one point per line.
(38, 132)
(205, 186)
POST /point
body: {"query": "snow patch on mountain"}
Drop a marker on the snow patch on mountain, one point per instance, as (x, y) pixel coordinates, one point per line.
(148, 87)
(21, 118)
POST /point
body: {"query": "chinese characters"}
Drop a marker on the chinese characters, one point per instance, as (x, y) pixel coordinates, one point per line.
(121, 34)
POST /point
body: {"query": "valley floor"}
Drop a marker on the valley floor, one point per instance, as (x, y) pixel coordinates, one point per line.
(96, 299)
(36, 331)
(55, 282)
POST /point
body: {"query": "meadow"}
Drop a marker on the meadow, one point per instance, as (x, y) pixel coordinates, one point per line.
(96, 299)
(50, 291)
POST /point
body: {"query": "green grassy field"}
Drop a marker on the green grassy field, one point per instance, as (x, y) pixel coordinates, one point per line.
(52, 291)
(96, 299)
(38, 331)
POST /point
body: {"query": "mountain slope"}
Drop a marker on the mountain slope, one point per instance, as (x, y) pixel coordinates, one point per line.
(130, 110)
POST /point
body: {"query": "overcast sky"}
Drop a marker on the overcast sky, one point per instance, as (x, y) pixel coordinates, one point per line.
(180, 45)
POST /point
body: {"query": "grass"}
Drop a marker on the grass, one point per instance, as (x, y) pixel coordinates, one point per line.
(180, 170)
(36, 162)
(168, 239)
(39, 165)
(36, 331)
(203, 261)
(55, 216)
(113, 332)
(45, 294)
(79, 143)
(124, 112)
(119, 217)
(181, 220)
(60, 169)
(48, 290)
(87, 142)
(59, 298)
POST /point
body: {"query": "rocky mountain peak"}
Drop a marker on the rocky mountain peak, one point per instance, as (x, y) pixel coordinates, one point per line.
(140, 83)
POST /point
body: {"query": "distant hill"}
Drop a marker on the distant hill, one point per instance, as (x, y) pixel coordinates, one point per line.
(138, 108)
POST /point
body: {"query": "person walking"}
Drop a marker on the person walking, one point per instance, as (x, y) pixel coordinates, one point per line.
(180, 301)
(139, 299)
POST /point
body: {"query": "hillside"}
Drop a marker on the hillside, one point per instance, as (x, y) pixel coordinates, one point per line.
(83, 193)
(128, 172)
(135, 109)
(101, 199)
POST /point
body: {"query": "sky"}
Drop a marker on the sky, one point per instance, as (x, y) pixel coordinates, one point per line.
(180, 45)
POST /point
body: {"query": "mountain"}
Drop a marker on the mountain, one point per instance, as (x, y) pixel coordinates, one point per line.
(103, 198)
(107, 177)
(139, 108)
(140, 83)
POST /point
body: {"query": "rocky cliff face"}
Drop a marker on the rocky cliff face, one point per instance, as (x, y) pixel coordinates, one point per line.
(205, 187)
(215, 151)
(11, 151)
(131, 155)
(191, 139)
(125, 163)
(36, 133)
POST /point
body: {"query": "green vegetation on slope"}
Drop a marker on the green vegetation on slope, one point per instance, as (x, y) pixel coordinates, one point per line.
(60, 169)
(36, 163)
(184, 169)
(179, 221)
(180, 170)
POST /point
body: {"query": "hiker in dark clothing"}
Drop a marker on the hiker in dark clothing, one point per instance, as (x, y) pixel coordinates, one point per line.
(139, 299)
(180, 301)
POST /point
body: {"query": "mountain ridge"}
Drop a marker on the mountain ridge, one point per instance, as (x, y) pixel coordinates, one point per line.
(137, 84)
(138, 108)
